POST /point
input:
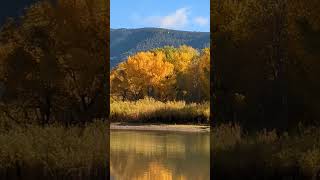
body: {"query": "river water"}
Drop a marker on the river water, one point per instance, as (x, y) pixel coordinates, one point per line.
(154, 155)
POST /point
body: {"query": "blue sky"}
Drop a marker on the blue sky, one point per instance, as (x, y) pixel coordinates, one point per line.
(188, 15)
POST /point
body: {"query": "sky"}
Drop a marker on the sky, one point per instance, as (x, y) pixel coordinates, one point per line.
(187, 15)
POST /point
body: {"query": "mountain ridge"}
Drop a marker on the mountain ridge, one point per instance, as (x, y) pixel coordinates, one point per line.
(154, 28)
(127, 41)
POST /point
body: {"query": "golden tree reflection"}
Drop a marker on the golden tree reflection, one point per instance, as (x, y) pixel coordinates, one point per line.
(165, 156)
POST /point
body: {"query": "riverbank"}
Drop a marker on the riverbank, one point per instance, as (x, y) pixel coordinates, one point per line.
(159, 127)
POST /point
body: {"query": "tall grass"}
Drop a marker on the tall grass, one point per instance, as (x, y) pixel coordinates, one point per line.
(150, 110)
(265, 155)
(54, 152)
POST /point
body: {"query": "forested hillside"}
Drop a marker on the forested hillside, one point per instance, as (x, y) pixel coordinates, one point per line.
(124, 42)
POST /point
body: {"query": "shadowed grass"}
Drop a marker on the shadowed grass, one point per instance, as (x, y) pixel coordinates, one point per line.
(53, 152)
(265, 155)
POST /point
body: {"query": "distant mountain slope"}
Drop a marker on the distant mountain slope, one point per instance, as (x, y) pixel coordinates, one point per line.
(124, 42)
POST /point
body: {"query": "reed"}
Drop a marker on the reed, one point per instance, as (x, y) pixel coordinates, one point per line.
(265, 154)
(149, 110)
(54, 152)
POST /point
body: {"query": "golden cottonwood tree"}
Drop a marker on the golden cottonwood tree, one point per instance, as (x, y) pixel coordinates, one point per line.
(260, 56)
(197, 78)
(143, 74)
(60, 49)
(166, 73)
(204, 75)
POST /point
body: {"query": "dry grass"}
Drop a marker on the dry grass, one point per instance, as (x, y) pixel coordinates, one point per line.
(54, 151)
(150, 110)
(266, 155)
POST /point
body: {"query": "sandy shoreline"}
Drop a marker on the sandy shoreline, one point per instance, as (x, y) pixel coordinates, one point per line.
(160, 127)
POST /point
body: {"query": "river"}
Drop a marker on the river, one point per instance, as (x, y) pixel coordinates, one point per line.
(156, 155)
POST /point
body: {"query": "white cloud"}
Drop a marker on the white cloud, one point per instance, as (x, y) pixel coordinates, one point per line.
(201, 21)
(178, 19)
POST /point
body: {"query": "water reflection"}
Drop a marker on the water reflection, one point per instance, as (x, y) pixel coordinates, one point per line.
(140, 155)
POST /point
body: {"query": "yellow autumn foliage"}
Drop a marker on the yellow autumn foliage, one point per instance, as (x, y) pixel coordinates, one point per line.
(166, 73)
(143, 74)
